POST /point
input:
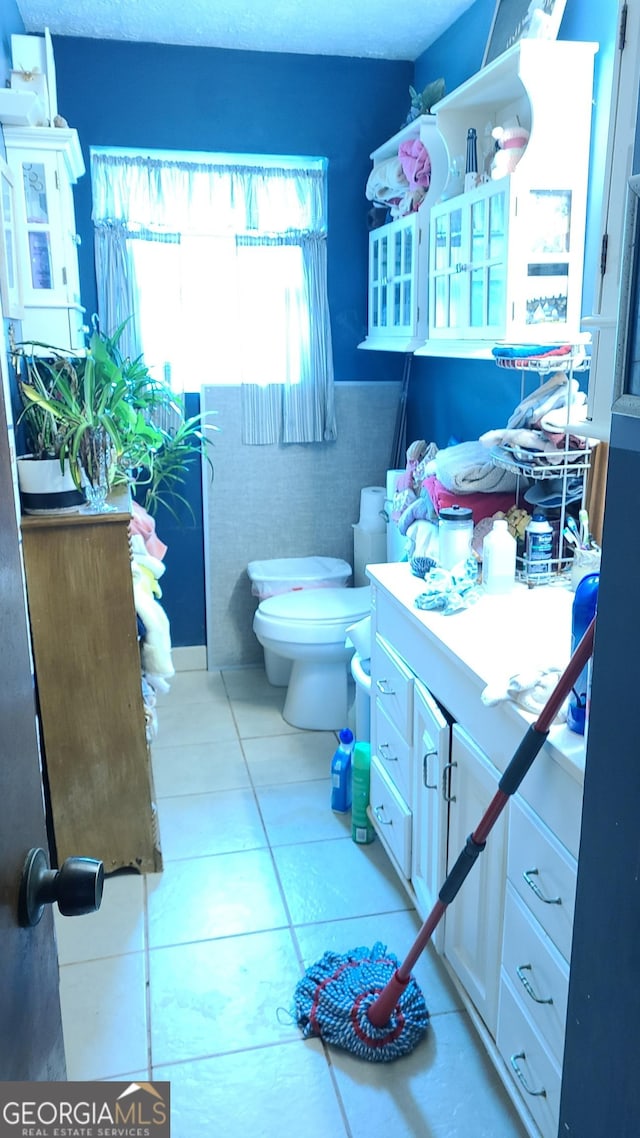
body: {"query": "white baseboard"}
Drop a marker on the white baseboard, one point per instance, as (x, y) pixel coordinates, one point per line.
(193, 659)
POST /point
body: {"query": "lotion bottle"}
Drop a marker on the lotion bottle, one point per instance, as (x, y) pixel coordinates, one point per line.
(499, 559)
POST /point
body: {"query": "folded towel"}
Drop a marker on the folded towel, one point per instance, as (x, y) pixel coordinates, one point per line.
(387, 181)
(556, 392)
(524, 351)
(467, 468)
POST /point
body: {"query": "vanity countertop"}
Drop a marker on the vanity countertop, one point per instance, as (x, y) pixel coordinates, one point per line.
(498, 637)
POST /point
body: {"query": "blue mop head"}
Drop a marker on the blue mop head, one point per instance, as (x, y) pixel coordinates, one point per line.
(332, 998)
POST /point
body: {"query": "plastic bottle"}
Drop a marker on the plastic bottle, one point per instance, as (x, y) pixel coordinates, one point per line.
(361, 829)
(538, 547)
(584, 609)
(499, 559)
(341, 773)
(455, 530)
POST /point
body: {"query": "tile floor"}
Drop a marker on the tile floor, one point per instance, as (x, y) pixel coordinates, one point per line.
(188, 975)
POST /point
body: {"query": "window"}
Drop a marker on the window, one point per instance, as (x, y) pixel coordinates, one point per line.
(222, 261)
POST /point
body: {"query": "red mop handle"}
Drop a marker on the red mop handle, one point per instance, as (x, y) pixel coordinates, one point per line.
(381, 1009)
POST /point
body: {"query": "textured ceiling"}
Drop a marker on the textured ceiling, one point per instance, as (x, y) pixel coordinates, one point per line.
(372, 28)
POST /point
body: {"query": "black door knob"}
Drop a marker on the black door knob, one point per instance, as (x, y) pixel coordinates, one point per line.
(76, 886)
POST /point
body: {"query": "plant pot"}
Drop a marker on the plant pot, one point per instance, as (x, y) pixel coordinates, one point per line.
(45, 489)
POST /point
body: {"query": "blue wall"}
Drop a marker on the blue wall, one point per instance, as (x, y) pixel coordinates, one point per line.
(461, 399)
(149, 95)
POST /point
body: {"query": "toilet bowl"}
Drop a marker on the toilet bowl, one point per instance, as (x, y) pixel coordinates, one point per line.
(308, 629)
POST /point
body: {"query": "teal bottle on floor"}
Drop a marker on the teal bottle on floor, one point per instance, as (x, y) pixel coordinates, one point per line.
(362, 831)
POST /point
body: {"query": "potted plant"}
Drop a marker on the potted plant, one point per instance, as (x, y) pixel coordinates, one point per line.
(94, 414)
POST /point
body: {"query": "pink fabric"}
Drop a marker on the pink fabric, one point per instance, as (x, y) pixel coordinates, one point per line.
(416, 164)
(482, 505)
(142, 523)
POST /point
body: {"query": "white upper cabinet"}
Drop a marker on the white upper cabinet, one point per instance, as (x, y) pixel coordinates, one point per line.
(398, 251)
(503, 260)
(46, 162)
(506, 258)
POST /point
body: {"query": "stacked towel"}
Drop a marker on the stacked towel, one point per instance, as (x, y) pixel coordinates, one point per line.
(467, 468)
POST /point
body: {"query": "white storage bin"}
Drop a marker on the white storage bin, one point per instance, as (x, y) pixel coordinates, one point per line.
(283, 574)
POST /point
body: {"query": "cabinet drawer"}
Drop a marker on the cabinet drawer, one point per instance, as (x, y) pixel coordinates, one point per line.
(537, 971)
(543, 873)
(392, 683)
(528, 1062)
(391, 817)
(392, 752)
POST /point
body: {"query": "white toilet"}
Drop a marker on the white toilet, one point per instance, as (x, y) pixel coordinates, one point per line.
(303, 634)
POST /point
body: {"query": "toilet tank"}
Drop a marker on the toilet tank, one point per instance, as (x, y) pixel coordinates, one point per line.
(284, 574)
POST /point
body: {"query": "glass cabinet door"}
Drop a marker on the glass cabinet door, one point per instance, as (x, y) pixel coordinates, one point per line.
(547, 231)
(392, 277)
(468, 265)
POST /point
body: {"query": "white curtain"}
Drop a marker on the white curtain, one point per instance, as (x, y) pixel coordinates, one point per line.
(224, 267)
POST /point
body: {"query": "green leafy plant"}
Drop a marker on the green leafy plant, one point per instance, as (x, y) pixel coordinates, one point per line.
(423, 101)
(99, 412)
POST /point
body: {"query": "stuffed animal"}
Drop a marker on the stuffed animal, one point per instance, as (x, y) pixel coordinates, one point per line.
(511, 145)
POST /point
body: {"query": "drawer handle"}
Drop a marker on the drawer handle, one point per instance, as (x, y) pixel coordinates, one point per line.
(384, 687)
(528, 874)
(425, 773)
(446, 794)
(520, 970)
(382, 747)
(519, 1074)
(377, 810)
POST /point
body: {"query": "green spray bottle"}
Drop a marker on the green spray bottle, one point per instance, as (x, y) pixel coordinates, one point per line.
(362, 831)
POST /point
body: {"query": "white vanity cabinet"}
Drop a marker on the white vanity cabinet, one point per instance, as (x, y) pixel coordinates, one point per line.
(506, 937)
(398, 252)
(473, 922)
(506, 258)
(46, 162)
(391, 791)
(431, 768)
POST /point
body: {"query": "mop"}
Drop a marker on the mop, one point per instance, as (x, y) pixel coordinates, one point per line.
(364, 1001)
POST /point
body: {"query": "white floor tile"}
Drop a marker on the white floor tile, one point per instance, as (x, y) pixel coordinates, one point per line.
(223, 962)
(199, 824)
(214, 897)
(335, 879)
(116, 928)
(295, 757)
(199, 723)
(271, 1091)
(222, 995)
(104, 1016)
(446, 1088)
(301, 812)
(198, 767)
(193, 687)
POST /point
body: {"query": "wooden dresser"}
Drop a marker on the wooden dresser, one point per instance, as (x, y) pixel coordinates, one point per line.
(88, 677)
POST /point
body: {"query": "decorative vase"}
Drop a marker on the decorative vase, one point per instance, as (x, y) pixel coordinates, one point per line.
(95, 457)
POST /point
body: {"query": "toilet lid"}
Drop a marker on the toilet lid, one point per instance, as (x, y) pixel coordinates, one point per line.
(297, 572)
(339, 606)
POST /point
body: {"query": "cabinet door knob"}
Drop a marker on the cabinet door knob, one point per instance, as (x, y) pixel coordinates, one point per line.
(425, 774)
(377, 810)
(384, 687)
(528, 875)
(446, 792)
(528, 987)
(520, 1075)
(383, 750)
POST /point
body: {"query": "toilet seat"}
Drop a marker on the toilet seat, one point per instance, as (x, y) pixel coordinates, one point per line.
(309, 614)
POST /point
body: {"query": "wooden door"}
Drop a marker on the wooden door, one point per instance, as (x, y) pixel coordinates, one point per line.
(31, 1046)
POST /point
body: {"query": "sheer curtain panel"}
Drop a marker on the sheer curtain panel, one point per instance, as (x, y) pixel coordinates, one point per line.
(223, 264)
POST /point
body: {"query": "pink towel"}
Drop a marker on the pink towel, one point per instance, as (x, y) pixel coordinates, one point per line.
(416, 164)
(142, 523)
(482, 505)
